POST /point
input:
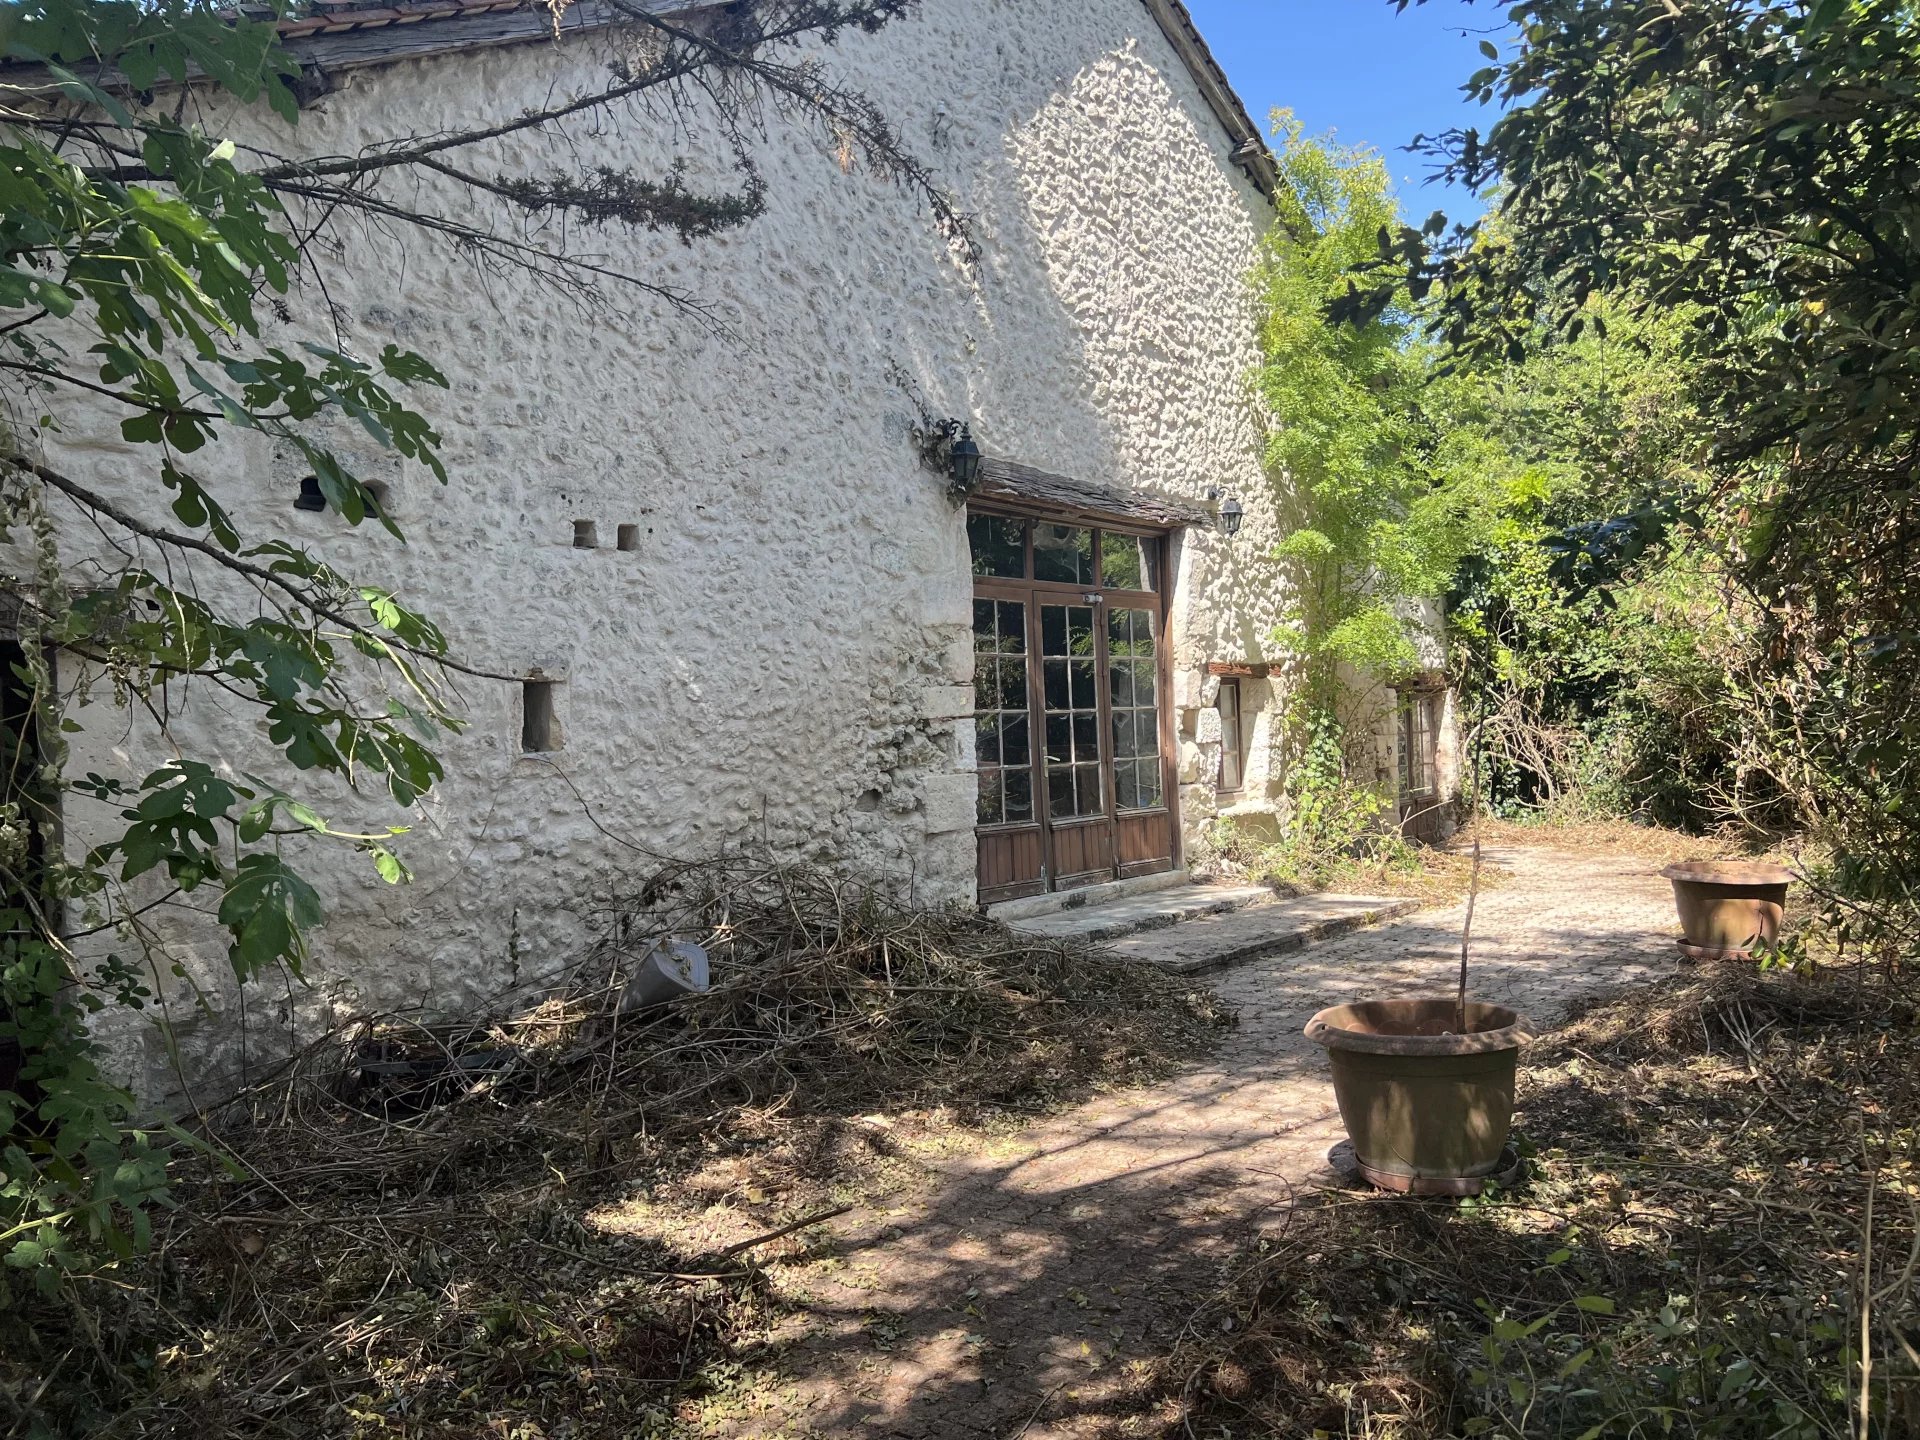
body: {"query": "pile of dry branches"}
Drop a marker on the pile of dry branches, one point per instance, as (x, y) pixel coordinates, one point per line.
(402, 1243)
(1723, 1218)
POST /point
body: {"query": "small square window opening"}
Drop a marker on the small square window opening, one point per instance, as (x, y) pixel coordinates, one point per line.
(586, 535)
(627, 537)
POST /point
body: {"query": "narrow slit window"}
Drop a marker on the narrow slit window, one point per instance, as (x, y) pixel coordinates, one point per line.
(1233, 755)
(539, 721)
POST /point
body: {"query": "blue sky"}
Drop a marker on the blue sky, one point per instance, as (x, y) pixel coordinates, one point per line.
(1357, 67)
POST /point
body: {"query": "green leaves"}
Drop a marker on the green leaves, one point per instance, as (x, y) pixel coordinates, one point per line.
(174, 824)
(1363, 441)
(161, 256)
(269, 909)
(1742, 183)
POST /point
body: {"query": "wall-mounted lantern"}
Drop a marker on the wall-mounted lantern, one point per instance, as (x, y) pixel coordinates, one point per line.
(964, 457)
(1227, 511)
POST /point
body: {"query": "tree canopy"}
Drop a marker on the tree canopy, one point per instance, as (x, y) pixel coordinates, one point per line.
(1381, 498)
(1747, 170)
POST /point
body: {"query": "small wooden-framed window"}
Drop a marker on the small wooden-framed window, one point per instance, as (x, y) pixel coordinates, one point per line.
(1233, 752)
(1006, 547)
(1062, 554)
(999, 546)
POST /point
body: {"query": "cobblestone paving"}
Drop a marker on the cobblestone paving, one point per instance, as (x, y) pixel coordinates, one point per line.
(1015, 1290)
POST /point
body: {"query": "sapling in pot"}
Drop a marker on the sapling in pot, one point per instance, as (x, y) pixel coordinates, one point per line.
(1426, 1087)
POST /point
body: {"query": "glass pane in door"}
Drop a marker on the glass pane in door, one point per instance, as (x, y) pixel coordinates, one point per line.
(1062, 553)
(1071, 712)
(1002, 749)
(1133, 671)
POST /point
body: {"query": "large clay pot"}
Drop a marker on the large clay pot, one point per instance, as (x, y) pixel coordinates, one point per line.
(1426, 1106)
(1728, 907)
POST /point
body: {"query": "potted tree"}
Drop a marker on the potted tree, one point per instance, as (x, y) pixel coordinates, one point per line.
(1426, 1086)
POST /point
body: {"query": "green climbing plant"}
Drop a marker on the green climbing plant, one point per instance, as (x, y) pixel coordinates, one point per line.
(1383, 487)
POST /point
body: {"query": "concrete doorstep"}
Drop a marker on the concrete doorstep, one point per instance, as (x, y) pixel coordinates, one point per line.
(1214, 942)
(1190, 928)
(1128, 914)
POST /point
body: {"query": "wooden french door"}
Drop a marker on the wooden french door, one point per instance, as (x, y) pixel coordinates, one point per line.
(1073, 731)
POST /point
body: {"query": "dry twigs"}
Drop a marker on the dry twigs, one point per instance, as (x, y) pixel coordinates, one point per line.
(411, 1249)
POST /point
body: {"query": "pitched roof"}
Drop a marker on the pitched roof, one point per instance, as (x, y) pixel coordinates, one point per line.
(333, 17)
(1250, 151)
(340, 33)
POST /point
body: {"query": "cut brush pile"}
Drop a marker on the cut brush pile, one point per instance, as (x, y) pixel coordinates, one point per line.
(404, 1243)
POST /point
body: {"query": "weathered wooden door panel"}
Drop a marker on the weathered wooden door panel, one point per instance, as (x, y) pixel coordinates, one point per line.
(1012, 844)
(1082, 854)
(1013, 863)
(1143, 844)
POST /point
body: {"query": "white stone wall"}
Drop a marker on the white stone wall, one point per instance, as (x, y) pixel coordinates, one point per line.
(786, 652)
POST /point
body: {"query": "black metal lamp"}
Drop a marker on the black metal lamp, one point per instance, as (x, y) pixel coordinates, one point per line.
(1231, 514)
(964, 456)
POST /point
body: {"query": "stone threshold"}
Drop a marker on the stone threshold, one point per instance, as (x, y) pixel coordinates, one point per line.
(1129, 911)
(1219, 941)
(1087, 897)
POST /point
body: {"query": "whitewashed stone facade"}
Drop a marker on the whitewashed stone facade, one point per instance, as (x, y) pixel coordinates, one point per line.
(784, 650)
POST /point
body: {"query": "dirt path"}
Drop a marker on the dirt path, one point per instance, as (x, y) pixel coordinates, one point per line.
(1018, 1286)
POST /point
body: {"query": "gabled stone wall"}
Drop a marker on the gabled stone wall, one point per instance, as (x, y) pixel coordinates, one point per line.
(779, 650)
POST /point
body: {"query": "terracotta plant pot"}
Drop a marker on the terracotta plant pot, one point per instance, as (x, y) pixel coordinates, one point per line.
(1728, 907)
(1427, 1109)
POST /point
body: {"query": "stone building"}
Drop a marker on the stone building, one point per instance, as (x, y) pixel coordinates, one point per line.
(742, 605)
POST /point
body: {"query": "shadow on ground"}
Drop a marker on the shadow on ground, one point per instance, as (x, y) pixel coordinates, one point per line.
(1029, 1289)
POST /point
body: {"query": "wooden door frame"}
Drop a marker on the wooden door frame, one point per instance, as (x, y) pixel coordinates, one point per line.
(1032, 595)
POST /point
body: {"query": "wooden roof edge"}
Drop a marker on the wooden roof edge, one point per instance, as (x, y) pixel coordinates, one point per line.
(350, 36)
(1250, 150)
(1062, 496)
(344, 36)
(347, 36)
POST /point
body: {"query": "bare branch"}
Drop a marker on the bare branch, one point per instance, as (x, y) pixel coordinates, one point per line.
(302, 595)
